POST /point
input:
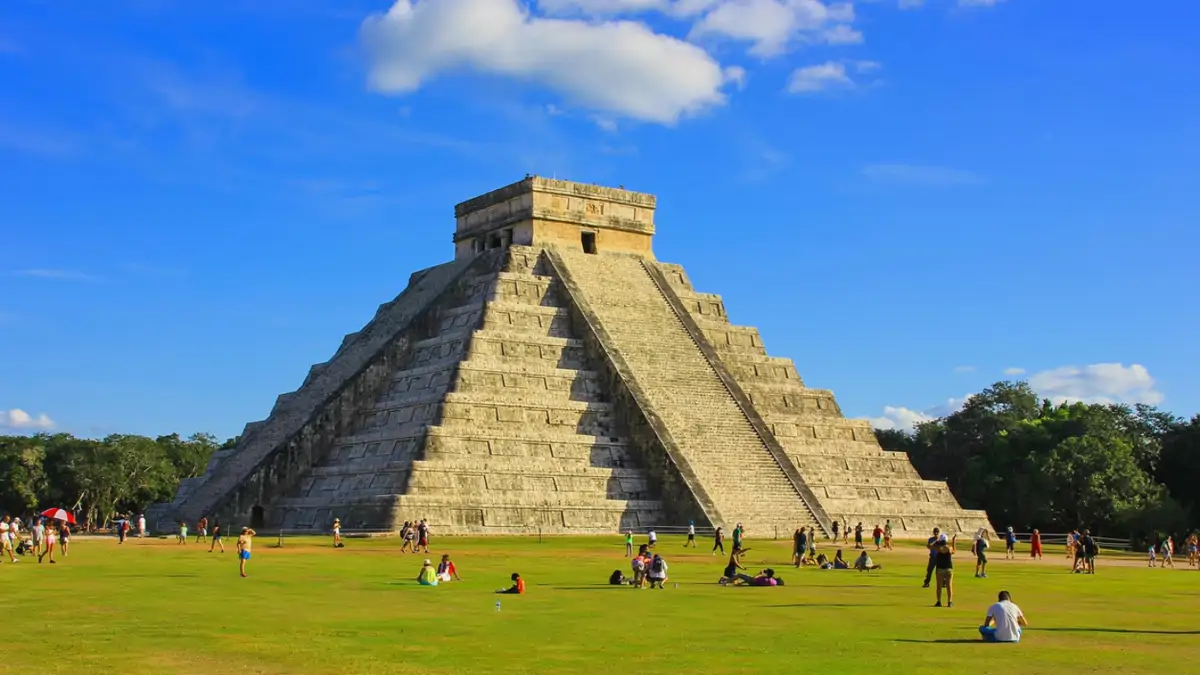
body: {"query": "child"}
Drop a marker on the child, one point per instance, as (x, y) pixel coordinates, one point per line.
(1151, 551)
(518, 587)
(337, 532)
(182, 532)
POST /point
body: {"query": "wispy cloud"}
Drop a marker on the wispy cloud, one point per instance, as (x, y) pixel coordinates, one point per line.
(19, 420)
(831, 75)
(48, 273)
(917, 174)
(1014, 371)
(964, 369)
(1098, 383)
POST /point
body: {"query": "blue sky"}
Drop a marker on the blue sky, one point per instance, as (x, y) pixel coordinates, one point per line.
(909, 199)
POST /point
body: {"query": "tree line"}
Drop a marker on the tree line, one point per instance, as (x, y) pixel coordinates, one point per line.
(1124, 471)
(98, 478)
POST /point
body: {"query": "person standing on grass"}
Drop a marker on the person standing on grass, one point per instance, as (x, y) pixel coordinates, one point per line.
(937, 535)
(944, 569)
(1010, 545)
(406, 535)
(979, 548)
(858, 529)
(718, 541)
(36, 534)
(216, 536)
(141, 526)
(1035, 544)
(799, 545)
(422, 536)
(628, 543)
(738, 534)
(244, 543)
(691, 535)
(877, 535)
(1152, 549)
(1008, 620)
(1193, 550)
(337, 532)
(202, 530)
(182, 532)
(64, 537)
(812, 543)
(8, 541)
(835, 531)
(1168, 553)
(50, 537)
(652, 538)
(887, 534)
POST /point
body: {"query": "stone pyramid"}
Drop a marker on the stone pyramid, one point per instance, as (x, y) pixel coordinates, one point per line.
(556, 377)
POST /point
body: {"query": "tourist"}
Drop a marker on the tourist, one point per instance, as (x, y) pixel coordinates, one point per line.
(691, 540)
(839, 563)
(799, 546)
(1193, 550)
(887, 535)
(835, 531)
(979, 548)
(518, 587)
(122, 530)
(638, 566)
(858, 530)
(657, 572)
(182, 532)
(337, 532)
(943, 563)
(823, 562)
(812, 543)
(36, 534)
(865, 564)
(1010, 545)
(409, 537)
(1090, 549)
(1007, 619)
(731, 573)
(64, 537)
(652, 538)
(427, 576)
(422, 536)
(446, 570)
(202, 530)
(7, 540)
(216, 536)
(1152, 549)
(766, 578)
(1168, 553)
(141, 524)
(628, 543)
(937, 534)
(738, 534)
(1035, 544)
(50, 536)
(1072, 541)
(718, 541)
(617, 578)
(244, 543)
(877, 535)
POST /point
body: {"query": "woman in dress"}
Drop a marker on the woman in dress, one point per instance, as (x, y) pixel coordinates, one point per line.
(51, 537)
(1035, 545)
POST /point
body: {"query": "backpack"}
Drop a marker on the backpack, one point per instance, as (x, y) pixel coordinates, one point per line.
(656, 567)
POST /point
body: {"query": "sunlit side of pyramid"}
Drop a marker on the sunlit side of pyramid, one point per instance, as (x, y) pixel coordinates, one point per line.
(554, 376)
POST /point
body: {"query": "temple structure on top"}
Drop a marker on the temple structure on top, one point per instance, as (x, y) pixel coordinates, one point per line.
(555, 376)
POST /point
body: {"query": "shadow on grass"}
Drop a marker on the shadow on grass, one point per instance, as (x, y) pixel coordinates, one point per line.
(947, 641)
(824, 604)
(1131, 631)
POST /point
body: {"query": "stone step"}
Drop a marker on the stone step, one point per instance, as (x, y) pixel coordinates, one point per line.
(430, 477)
(490, 499)
(549, 466)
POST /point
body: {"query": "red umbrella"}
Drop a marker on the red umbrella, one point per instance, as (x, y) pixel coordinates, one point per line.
(59, 514)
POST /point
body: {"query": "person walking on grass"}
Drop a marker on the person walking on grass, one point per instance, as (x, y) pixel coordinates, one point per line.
(244, 543)
(929, 568)
(1003, 621)
(182, 532)
(36, 534)
(718, 541)
(202, 530)
(216, 536)
(812, 544)
(835, 528)
(51, 535)
(1168, 553)
(979, 548)
(1010, 545)
(691, 541)
(1035, 544)
(943, 563)
(64, 537)
(858, 530)
(628, 543)
(738, 534)
(8, 541)
(422, 536)
(887, 535)
(877, 535)
(799, 546)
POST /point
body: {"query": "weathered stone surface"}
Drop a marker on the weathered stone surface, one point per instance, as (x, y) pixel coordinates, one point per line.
(556, 378)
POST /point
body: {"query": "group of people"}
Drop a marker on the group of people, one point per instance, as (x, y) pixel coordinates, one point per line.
(882, 536)
(38, 538)
(1166, 547)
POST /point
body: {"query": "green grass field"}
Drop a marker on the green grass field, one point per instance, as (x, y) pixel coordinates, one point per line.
(155, 607)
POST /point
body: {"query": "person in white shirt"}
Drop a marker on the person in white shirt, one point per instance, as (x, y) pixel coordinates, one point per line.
(141, 526)
(8, 539)
(653, 536)
(1007, 619)
(691, 535)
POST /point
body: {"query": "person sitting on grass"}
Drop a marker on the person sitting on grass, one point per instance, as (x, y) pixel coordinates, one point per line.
(731, 574)
(823, 562)
(766, 578)
(427, 576)
(864, 563)
(446, 571)
(618, 579)
(1007, 618)
(518, 587)
(839, 563)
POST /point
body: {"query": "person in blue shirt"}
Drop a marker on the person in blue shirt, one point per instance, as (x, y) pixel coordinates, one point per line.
(937, 534)
(1010, 543)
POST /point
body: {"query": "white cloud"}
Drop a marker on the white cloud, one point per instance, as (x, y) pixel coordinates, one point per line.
(23, 421)
(618, 67)
(915, 174)
(895, 417)
(771, 25)
(964, 369)
(1097, 383)
(1014, 371)
(842, 34)
(810, 79)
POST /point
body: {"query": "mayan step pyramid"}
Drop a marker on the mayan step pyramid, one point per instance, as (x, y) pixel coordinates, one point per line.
(556, 377)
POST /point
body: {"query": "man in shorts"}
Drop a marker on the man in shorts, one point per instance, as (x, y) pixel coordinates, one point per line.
(691, 535)
(244, 543)
(216, 536)
(7, 539)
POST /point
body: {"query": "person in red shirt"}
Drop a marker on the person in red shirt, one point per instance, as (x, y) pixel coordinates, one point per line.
(878, 534)
(518, 587)
(446, 571)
